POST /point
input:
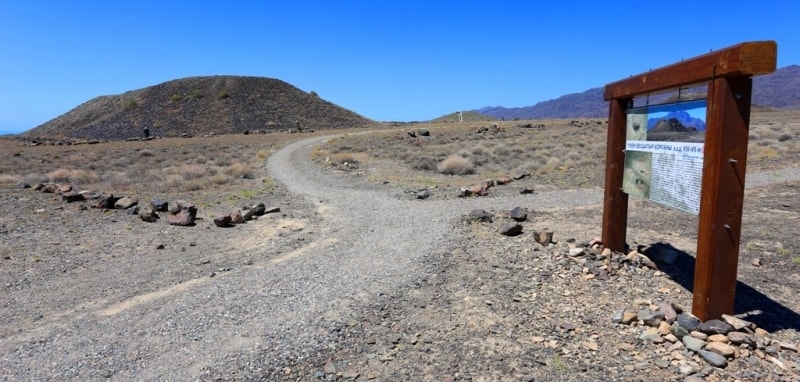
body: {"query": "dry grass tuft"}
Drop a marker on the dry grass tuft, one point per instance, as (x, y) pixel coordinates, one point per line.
(456, 165)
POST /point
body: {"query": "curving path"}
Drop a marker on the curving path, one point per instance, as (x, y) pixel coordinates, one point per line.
(257, 319)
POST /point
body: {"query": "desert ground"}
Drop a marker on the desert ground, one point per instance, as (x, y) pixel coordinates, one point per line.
(372, 264)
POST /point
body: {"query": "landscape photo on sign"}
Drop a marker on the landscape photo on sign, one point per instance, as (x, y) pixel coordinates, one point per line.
(664, 154)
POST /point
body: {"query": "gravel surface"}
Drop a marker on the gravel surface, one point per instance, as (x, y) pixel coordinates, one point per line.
(266, 302)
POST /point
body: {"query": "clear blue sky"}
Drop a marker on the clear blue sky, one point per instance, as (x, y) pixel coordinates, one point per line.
(386, 60)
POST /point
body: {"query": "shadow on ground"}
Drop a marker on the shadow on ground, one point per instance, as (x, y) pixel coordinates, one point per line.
(760, 309)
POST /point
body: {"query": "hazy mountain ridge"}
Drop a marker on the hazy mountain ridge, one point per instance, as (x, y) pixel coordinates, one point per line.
(200, 105)
(780, 90)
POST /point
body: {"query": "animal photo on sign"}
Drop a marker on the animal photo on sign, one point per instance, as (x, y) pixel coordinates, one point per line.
(636, 178)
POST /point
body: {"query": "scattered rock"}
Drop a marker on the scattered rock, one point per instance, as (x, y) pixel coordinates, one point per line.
(125, 203)
(503, 180)
(423, 132)
(159, 205)
(72, 196)
(134, 210)
(148, 214)
(574, 252)
(737, 323)
(721, 348)
(652, 335)
(713, 359)
(649, 317)
(692, 343)
(688, 321)
(511, 229)
(544, 237)
(479, 215)
(628, 317)
(247, 214)
(184, 218)
(714, 327)
(669, 312)
(259, 209)
(424, 194)
(104, 202)
(519, 214)
(222, 221)
(23, 185)
(526, 190)
(237, 218)
(738, 338)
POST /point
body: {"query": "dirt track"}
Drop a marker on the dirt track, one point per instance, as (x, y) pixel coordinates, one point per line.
(291, 297)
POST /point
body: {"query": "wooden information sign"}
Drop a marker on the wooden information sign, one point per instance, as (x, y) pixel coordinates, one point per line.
(728, 73)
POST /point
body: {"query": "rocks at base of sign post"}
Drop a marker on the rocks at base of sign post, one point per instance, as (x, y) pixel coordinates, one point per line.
(716, 342)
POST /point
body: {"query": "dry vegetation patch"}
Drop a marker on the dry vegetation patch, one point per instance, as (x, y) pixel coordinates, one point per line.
(556, 153)
(210, 170)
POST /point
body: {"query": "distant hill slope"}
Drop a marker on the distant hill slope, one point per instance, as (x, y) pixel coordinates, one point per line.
(777, 90)
(200, 105)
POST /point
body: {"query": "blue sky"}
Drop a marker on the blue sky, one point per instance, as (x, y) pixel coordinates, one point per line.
(386, 60)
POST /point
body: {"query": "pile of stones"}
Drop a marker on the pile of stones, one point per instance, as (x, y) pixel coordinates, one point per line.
(483, 188)
(178, 213)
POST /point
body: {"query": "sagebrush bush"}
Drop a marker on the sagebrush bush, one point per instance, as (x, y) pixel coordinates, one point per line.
(68, 175)
(456, 165)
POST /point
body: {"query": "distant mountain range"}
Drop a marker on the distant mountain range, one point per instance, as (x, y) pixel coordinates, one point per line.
(780, 90)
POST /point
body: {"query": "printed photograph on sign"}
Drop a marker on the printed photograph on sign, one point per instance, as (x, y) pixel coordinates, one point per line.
(678, 122)
(664, 154)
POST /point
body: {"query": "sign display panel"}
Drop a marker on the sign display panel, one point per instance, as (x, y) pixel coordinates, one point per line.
(664, 154)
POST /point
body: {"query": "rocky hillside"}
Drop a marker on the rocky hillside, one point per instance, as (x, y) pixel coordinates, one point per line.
(197, 106)
(779, 90)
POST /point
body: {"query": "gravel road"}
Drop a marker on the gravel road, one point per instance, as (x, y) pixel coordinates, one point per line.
(258, 320)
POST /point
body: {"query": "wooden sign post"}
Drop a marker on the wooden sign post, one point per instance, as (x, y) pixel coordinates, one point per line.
(728, 73)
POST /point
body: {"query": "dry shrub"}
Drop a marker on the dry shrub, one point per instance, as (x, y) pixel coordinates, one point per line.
(263, 154)
(68, 175)
(456, 165)
(240, 170)
(9, 178)
(146, 153)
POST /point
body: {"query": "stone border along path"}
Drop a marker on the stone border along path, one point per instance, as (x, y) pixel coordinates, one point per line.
(277, 311)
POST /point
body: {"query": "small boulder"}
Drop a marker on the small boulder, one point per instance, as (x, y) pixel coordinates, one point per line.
(423, 132)
(713, 359)
(23, 185)
(543, 237)
(688, 321)
(247, 214)
(715, 327)
(737, 323)
(669, 312)
(237, 218)
(259, 209)
(148, 215)
(184, 218)
(519, 214)
(133, 210)
(159, 205)
(503, 180)
(125, 203)
(62, 188)
(222, 221)
(511, 229)
(105, 201)
(479, 215)
(692, 343)
(72, 196)
(424, 194)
